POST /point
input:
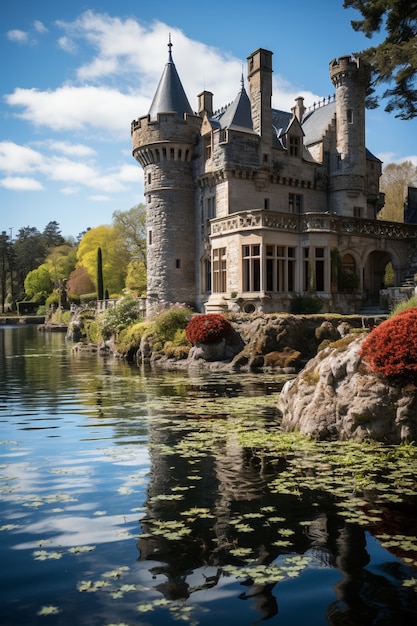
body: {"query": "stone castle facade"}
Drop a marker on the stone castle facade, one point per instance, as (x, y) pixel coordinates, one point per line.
(250, 207)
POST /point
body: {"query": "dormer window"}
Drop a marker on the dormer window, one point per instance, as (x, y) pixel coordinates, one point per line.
(294, 145)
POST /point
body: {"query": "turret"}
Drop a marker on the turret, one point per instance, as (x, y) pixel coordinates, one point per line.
(163, 144)
(350, 76)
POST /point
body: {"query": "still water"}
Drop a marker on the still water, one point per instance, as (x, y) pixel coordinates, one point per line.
(133, 498)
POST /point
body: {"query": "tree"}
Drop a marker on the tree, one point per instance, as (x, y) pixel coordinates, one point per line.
(29, 252)
(61, 261)
(132, 226)
(100, 286)
(52, 235)
(115, 256)
(38, 283)
(80, 282)
(395, 59)
(136, 276)
(395, 180)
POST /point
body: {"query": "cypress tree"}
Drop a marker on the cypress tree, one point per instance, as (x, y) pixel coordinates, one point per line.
(100, 287)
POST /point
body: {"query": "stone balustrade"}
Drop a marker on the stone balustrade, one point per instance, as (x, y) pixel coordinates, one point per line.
(310, 222)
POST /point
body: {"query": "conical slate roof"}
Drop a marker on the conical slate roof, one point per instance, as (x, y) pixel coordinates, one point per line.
(170, 96)
(238, 114)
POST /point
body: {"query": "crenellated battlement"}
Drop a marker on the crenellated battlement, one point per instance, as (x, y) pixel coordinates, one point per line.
(349, 67)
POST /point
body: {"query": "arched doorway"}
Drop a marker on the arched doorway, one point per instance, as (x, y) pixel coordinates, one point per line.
(373, 274)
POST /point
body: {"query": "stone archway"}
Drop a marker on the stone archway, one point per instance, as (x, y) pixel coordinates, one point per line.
(373, 274)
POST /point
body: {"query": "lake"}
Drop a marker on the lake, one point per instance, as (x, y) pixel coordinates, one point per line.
(131, 497)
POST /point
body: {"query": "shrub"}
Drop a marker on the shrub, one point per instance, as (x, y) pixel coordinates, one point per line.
(176, 352)
(207, 328)
(403, 306)
(92, 331)
(306, 304)
(170, 320)
(125, 313)
(391, 348)
(129, 338)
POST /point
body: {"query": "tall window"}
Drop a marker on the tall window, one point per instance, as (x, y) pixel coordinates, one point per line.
(280, 268)
(251, 266)
(314, 269)
(319, 267)
(210, 207)
(219, 270)
(207, 146)
(295, 202)
(294, 145)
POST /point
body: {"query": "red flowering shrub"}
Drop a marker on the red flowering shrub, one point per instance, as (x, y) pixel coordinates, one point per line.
(391, 348)
(207, 328)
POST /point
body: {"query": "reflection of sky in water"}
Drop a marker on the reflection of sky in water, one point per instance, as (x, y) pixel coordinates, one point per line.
(89, 447)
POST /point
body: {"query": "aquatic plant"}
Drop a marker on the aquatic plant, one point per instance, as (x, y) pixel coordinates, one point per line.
(207, 328)
(390, 349)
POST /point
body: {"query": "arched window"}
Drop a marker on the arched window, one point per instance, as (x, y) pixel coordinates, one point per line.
(348, 264)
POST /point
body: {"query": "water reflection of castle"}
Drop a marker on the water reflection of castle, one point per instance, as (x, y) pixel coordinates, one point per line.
(229, 486)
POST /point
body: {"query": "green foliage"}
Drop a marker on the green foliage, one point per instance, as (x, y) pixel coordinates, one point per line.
(129, 338)
(60, 317)
(403, 306)
(113, 320)
(92, 331)
(169, 321)
(348, 281)
(389, 279)
(391, 347)
(176, 352)
(38, 282)
(86, 298)
(115, 256)
(394, 60)
(306, 304)
(53, 298)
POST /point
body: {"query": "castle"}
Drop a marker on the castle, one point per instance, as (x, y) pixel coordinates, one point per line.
(249, 207)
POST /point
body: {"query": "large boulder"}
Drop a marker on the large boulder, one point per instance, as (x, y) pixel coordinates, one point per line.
(335, 396)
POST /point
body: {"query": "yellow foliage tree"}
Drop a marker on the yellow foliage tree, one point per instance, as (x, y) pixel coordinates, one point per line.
(115, 257)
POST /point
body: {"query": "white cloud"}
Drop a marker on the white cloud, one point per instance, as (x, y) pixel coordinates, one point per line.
(20, 36)
(63, 169)
(71, 149)
(130, 173)
(70, 108)
(67, 44)
(18, 159)
(133, 58)
(20, 183)
(39, 27)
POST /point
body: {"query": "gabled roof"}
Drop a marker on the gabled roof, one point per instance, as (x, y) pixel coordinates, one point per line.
(316, 123)
(170, 96)
(237, 115)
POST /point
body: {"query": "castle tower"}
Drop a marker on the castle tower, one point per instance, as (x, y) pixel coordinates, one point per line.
(163, 144)
(350, 76)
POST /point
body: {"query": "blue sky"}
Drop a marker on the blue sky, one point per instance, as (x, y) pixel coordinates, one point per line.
(75, 74)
